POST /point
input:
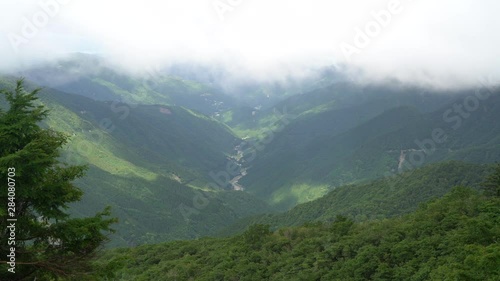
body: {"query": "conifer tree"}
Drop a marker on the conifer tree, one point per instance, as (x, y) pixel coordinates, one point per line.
(35, 190)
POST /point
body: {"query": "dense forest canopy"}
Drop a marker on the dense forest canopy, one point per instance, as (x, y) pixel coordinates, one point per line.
(451, 238)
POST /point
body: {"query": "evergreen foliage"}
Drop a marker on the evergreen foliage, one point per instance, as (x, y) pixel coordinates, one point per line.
(48, 242)
(491, 185)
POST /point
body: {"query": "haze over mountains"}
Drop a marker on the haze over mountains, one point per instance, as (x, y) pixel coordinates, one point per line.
(336, 163)
(282, 140)
(445, 44)
(180, 158)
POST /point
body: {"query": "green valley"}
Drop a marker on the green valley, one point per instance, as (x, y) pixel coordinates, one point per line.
(231, 140)
(311, 186)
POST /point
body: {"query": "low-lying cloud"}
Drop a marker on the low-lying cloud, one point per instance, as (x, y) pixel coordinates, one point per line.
(440, 43)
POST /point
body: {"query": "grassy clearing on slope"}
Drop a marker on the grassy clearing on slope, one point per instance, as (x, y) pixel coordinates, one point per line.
(91, 145)
(299, 193)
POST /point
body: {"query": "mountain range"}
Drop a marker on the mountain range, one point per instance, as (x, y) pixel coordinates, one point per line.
(179, 158)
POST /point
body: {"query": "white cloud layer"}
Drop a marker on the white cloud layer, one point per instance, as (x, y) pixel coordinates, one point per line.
(443, 43)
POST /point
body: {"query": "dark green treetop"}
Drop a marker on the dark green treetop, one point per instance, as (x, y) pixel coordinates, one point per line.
(491, 185)
(49, 244)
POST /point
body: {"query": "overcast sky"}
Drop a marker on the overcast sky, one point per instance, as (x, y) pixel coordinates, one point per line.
(438, 42)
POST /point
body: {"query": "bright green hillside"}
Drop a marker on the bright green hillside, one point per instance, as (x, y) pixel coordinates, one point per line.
(152, 167)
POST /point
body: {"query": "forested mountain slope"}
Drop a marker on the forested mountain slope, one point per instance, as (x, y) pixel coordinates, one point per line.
(393, 195)
(452, 237)
(307, 161)
(92, 76)
(151, 163)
